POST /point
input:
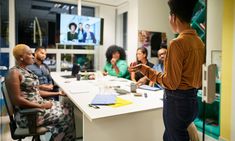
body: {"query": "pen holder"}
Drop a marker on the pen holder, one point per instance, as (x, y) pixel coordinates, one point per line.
(78, 76)
(133, 87)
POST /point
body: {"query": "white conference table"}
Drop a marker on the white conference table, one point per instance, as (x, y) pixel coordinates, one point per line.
(139, 121)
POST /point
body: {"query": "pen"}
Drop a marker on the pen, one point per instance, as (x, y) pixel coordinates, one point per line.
(145, 95)
(93, 106)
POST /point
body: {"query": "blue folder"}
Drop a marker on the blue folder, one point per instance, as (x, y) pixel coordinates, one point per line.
(104, 99)
(147, 87)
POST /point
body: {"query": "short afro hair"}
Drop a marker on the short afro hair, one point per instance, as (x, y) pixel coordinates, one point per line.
(112, 49)
(183, 9)
(74, 24)
(39, 47)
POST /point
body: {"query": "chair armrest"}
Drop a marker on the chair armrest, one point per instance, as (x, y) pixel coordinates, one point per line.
(31, 111)
(32, 118)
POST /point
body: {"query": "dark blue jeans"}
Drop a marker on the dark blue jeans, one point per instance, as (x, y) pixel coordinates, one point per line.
(180, 108)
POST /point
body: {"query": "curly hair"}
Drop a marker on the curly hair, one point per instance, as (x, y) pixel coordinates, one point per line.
(183, 9)
(112, 49)
(74, 24)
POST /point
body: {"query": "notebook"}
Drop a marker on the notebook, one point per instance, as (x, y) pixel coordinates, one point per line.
(146, 87)
(106, 99)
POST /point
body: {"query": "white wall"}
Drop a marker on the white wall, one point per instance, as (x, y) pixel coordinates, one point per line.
(153, 16)
(119, 23)
(214, 27)
(132, 38)
(109, 15)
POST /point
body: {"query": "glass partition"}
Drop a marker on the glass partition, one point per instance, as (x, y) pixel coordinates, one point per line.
(4, 37)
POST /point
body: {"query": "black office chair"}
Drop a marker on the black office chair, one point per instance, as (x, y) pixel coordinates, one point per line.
(20, 133)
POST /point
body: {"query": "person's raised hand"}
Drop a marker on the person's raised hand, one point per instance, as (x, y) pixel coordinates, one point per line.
(135, 68)
(113, 61)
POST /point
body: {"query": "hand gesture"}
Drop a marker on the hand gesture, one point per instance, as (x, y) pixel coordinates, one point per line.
(62, 93)
(105, 73)
(113, 61)
(133, 64)
(135, 68)
(142, 81)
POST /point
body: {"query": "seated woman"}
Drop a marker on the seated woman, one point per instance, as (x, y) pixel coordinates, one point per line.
(141, 57)
(116, 64)
(22, 86)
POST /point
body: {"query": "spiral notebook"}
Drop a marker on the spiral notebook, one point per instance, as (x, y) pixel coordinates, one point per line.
(106, 99)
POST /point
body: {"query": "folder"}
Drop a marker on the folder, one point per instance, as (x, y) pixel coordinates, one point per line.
(121, 102)
(106, 99)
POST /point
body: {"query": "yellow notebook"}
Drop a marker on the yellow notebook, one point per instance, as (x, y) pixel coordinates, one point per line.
(121, 102)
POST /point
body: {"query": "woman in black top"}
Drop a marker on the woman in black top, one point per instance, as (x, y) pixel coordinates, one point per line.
(141, 58)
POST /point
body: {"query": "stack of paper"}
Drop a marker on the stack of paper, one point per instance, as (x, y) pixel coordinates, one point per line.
(147, 87)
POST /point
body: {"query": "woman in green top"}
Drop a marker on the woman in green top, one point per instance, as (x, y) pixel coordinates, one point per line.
(116, 64)
(72, 35)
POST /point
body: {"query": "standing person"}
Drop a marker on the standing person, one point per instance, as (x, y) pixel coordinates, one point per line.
(80, 32)
(43, 72)
(192, 129)
(182, 72)
(72, 35)
(89, 37)
(141, 58)
(116, 64)
(22, 86)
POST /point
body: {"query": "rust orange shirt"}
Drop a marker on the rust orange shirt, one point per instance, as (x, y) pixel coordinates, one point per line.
(183, 63)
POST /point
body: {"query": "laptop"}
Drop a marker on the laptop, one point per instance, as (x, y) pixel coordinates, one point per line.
(75, 70)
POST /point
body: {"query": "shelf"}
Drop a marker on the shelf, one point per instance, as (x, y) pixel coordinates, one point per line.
(199, 18)
(212, 126)
(210, 129)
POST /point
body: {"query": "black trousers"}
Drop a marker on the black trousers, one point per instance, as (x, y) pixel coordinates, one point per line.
(180, 108)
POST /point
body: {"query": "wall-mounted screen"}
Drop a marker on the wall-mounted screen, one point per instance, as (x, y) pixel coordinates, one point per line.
(80, 30)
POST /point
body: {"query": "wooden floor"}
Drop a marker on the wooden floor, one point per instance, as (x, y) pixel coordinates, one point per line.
(5, 134)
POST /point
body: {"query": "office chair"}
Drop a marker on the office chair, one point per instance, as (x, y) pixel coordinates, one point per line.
(18, 133)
